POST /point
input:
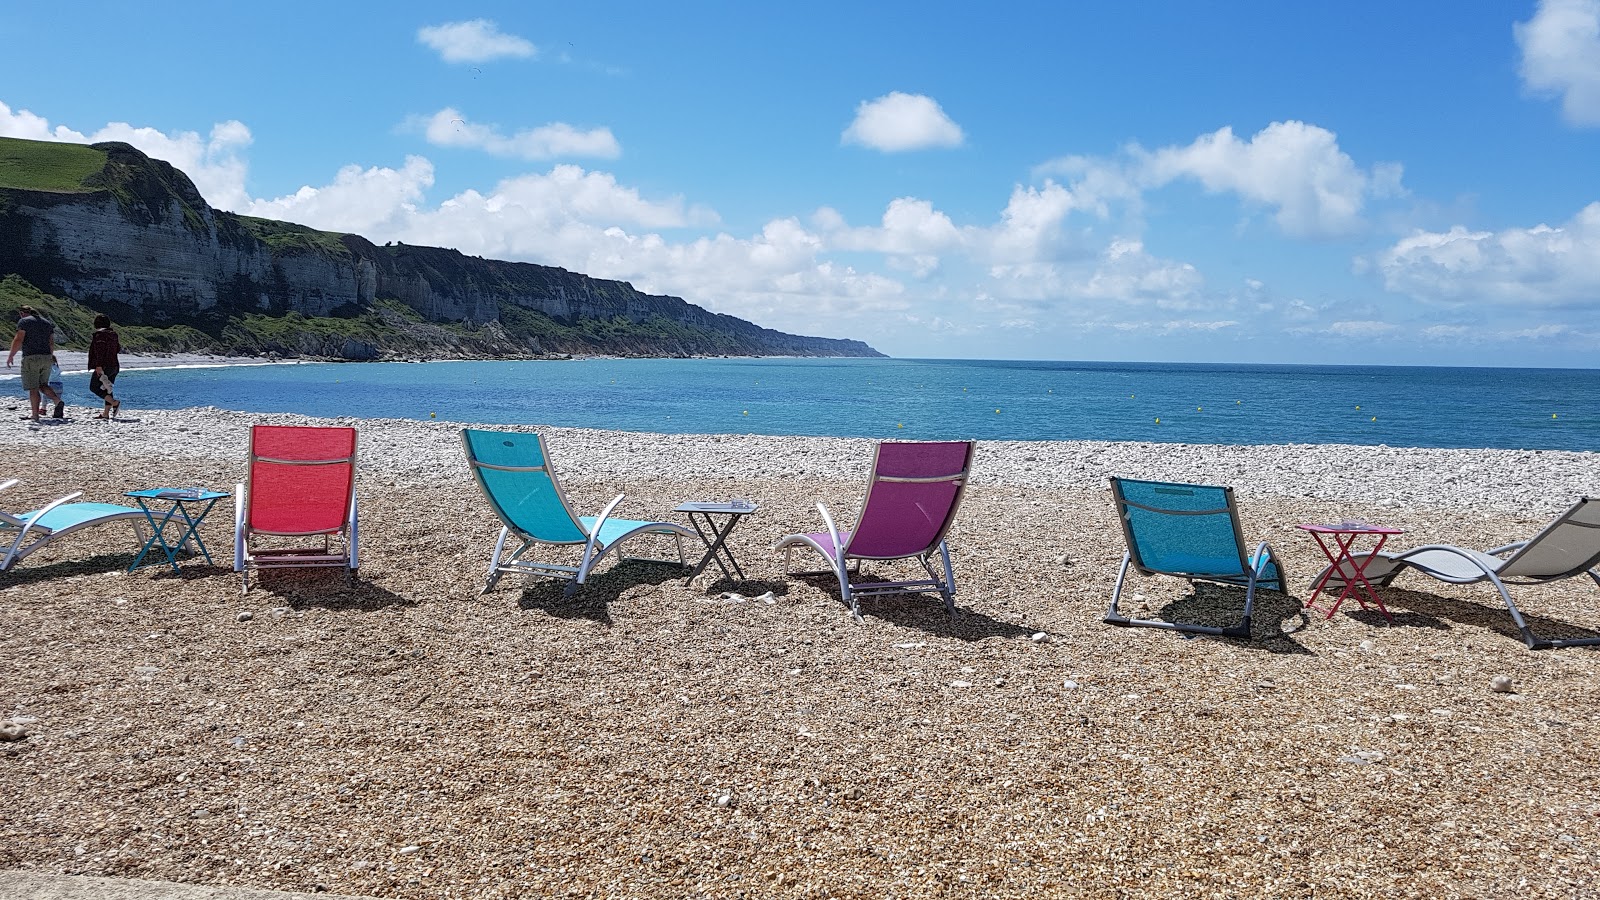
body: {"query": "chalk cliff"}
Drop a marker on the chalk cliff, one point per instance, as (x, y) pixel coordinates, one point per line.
(137, 240)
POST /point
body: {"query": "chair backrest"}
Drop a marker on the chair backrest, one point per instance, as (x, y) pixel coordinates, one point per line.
(1181, 529)
(1568, 546)
(516, 477)
(912, 498)
(301, 479)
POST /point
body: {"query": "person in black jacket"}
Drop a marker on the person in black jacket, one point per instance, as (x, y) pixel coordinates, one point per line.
(103, 349)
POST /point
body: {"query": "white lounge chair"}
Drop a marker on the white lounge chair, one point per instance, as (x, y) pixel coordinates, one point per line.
(1567, 547)
(35, 530)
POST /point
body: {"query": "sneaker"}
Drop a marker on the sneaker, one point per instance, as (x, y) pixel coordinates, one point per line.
(60, 411)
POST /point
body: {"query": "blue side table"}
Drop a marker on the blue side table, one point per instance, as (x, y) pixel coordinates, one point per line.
(189, 506)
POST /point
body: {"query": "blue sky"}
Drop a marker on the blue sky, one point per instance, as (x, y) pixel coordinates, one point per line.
(1414, 183)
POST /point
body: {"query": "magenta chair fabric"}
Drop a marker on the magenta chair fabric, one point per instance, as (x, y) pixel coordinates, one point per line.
(909, 518)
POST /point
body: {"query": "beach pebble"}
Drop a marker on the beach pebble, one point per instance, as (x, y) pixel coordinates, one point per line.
(246, 616)
(1064, 560)
(1039, 637)
(1070, 685)
(408, 849)
(958, 683)
(1500, 684)
(725, 801)
(11, 732)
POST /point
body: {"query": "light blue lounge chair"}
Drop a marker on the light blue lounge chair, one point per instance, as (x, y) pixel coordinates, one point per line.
(1568, 547)
(516, 477)
(35, 530)
(1189, 531)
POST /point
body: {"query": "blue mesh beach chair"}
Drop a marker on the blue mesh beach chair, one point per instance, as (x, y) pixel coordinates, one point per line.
(1189, 531)
(1567, 548)
(35, 530)
(514, 472)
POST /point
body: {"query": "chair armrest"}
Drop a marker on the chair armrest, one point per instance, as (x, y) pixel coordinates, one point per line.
(833, 532)
(1508, 548)
(600, 520)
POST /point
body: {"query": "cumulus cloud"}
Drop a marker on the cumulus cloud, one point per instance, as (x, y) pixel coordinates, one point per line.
(897, 122)
(1542, 266)
(1297, 168)
(449, 128)
(1561, 56)
(372, 202)
(474, 40)
(212, 162)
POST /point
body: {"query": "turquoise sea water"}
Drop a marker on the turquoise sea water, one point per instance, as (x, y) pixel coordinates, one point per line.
(927, 399)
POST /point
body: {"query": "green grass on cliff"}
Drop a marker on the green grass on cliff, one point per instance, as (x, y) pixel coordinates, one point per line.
(75, 323)
(47, 165)
(287, 237)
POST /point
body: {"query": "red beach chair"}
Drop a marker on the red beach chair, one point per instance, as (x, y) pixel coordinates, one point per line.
(912, 497)
(301, 485)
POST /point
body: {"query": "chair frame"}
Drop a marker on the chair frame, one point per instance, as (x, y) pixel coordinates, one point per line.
(843, 564)
(1252, 575)
(244, 559)
(1512, 552)
(42, 536)
(502, 563)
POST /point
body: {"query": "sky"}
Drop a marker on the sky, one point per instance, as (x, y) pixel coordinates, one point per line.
(1360, 182)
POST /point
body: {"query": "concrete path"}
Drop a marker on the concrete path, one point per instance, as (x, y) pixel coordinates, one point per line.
(16, 885)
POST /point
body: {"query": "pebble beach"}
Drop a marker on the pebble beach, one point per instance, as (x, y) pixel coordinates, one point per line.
(402, 735)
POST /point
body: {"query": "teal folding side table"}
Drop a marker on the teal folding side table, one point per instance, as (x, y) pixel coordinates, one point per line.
(188, 506)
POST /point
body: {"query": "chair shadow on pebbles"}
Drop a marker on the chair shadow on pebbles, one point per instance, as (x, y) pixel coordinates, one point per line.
(1444, 612)
(911, 610)
(593, 600)
(327, 589)
(1276, 618)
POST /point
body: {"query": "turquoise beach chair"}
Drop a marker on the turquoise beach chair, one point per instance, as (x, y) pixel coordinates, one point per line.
(35, 530)
(1189, 531)
(514, 473)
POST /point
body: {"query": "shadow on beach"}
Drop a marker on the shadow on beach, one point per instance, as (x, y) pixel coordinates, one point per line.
(594, 597)
(1449, 612)
(324, 588)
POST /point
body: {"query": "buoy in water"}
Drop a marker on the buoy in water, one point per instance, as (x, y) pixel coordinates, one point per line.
(433, 415)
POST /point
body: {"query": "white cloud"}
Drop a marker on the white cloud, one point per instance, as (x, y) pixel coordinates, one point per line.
(1298, 168)
(449, 128)
(1561, 55)
(1362, 329)
(372, 202)
(475, 40)
(213, 163)
(896, 122)
(1542, 266)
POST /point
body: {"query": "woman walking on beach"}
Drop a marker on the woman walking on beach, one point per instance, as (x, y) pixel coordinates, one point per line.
(103, 349)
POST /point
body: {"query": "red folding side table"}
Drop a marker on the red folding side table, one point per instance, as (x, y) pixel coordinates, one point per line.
(1342, 561)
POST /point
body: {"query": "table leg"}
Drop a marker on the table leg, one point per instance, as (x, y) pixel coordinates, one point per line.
(193, 530)
(715, 542)
(1361, 576)
(1356, 581)
(157, 536)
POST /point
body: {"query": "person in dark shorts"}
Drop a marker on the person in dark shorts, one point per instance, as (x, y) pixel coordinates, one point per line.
(103, 349)
(36, 338)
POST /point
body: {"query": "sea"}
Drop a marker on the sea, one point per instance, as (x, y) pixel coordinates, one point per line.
(912, 399)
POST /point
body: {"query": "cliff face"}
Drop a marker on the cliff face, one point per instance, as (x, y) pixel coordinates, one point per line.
(141, 243)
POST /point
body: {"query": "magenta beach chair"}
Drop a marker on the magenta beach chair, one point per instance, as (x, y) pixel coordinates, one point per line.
(911, 501)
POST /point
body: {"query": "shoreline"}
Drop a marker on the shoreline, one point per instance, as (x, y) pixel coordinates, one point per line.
(1378, 478)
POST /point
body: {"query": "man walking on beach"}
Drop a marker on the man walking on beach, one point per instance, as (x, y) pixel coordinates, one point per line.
(36, 338)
